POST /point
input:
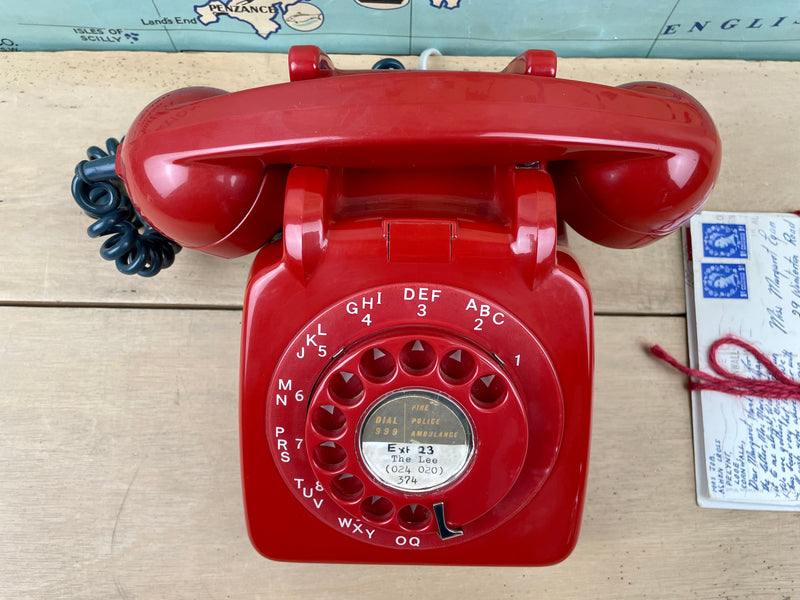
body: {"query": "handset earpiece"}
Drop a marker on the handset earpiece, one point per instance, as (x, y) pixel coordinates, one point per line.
(630, 202)
(224, 203)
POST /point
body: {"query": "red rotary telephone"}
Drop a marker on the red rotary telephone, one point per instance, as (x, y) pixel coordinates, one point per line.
(417, 351)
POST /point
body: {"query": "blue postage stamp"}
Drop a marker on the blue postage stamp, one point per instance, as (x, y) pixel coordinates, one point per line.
(724, 240)
(724, 280)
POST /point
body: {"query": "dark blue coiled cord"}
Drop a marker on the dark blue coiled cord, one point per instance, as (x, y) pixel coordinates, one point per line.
(135, 247)
(388, 63)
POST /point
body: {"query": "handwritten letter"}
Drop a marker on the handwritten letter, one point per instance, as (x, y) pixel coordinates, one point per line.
(746, 277)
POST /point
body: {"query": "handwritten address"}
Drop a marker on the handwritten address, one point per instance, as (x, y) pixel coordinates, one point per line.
(782, 277)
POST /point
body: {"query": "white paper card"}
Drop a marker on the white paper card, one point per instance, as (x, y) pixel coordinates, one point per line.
(743, 278)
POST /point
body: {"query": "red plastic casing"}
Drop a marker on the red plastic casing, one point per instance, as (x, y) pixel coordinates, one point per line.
(499, 252)
(418, 211)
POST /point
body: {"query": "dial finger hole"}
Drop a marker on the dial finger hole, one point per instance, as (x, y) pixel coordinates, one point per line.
(488, 391)
(347, 487)
(328, 420)
(414, 516)
(377, 364)
(377, 509)
(329, 456)
(457, 366)
(417, 357)
(346, 388)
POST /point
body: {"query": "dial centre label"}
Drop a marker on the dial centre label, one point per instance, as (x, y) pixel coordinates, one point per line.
(416, 440)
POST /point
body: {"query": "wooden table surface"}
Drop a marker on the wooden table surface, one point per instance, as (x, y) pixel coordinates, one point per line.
(119, 467)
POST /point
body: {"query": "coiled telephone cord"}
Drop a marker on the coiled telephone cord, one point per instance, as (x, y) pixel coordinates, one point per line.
(135, 247)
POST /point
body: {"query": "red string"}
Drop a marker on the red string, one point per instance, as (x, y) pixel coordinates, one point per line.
(731, 383)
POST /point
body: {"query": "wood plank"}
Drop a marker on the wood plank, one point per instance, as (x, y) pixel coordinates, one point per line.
(54, 105)
(120, 477)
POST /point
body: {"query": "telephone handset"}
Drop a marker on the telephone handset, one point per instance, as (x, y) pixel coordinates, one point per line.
(417, 351)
